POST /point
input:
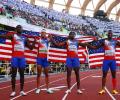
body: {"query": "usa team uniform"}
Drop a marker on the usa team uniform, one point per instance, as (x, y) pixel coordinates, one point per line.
(72, 54)
(42, 53)
(18, 59)
(109, 56)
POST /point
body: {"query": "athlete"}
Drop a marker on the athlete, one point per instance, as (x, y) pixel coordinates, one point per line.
(109, 45)
(18, 59)
(42, 61)
(72, 61)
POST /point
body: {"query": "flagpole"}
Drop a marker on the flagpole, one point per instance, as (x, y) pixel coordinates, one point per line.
(88, 57)
(48, 51)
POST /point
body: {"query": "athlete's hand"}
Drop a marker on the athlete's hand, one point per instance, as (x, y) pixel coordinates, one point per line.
(49, 36)
(95, 39)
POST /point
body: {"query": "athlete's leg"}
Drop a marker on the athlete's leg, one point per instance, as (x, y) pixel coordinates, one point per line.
(13, 80)
(21, 71)
(113, 72)
(77, 69)
(39, 70)
(22, 65)
(46, 71)
(104, 79)
(114, 82)
(14, 64)
(103, 82)
(105, 69)
(13, 77)
(69, 70)
(113, 79)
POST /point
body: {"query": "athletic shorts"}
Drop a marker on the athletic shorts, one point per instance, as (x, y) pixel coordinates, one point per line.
(109, 64)
(17, 62)
(72, 62)
(43, 62)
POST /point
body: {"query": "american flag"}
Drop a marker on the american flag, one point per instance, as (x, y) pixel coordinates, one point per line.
(6, 48)
(96, 57)
(59, 54)
(55, 54)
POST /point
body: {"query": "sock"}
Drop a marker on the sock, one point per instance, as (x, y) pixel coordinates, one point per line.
(114, 83)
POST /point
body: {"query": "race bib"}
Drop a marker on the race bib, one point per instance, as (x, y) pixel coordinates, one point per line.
(72, 47)
(43, 47)
(19, 47)
(43, 50)
(109, 53)
(19, 43)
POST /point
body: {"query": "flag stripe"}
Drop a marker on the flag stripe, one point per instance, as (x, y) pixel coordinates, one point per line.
(54, 54)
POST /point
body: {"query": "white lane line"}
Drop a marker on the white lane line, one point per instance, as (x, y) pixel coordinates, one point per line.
(16, 79)
(19, 83)
(16, 84)
(113, 98)
(65, 96)
(97, 76)
(39, 87)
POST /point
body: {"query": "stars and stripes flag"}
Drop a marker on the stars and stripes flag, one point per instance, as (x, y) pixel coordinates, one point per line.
(96, 57)
(6, 48)
(59, 54)
(55, 54)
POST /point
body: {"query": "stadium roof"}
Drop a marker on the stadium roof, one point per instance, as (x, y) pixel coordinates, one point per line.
(84, 7)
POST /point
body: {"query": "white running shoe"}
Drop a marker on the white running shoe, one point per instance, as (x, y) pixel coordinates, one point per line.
(22, 93)
(79, 91)
(68, 91)
(49, 91)
(37, 91)
(13, 94)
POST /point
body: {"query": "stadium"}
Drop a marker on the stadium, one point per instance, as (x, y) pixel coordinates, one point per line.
(59, 49)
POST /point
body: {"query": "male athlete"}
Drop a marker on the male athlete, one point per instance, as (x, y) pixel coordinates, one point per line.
(42, 61)
(18, 59)
(109, 45)
(72, 61)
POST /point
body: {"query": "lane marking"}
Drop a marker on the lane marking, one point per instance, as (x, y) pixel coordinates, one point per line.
(113, 98)
(17, 79)
(55, 88)
(25, 83)
(111, 95)
(17, 84)
(39, 87)
(96, 76)
(65, 96)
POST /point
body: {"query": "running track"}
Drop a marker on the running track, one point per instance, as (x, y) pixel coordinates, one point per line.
(90, 84)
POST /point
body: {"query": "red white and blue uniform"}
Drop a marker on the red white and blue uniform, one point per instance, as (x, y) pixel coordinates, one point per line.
(72, 54)
(42, 52)
(18, 44)
(109, 56)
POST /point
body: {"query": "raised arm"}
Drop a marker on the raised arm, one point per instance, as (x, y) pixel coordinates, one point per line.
(88, 45)
(56, 43)
(95, 47)
(118, 43)
(59, 44)
(82, 44)
(5, 36)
